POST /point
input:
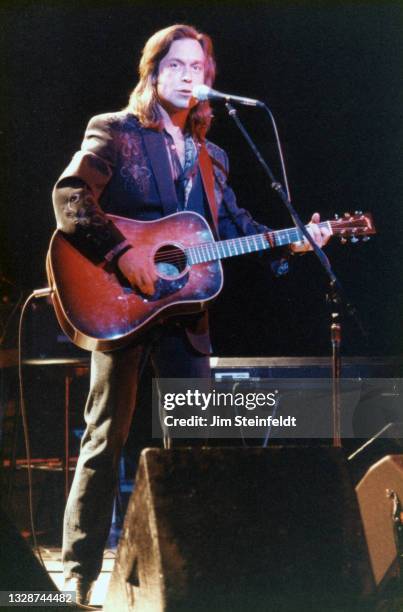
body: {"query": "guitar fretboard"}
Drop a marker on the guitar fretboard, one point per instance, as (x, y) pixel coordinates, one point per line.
(210, 251)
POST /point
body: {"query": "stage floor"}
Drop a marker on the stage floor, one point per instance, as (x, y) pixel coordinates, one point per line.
(52, 558)
(53, 563)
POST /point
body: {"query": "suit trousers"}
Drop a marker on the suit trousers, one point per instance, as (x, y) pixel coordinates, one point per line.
(108, 415)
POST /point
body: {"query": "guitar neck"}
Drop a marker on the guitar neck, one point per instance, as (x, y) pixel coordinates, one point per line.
(210, 251)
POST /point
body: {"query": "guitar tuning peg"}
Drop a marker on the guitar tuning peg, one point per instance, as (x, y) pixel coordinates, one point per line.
(358, 212)
(347, 215)
(336, 216)
(366, 238)
(343, 240)
(353, 239)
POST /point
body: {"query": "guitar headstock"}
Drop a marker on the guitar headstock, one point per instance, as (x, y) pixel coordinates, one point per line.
(351, 227)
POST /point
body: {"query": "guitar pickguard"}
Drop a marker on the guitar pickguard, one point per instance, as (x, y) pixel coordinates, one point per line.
(164, 288)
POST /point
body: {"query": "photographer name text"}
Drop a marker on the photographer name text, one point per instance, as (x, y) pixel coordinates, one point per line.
(237, 421)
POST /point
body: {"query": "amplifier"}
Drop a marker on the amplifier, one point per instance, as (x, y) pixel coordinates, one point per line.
(244, 368)
(379, 401)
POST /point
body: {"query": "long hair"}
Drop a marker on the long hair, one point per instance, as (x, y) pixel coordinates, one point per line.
(143, 100)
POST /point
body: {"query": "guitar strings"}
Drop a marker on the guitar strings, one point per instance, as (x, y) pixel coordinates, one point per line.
(176, 255)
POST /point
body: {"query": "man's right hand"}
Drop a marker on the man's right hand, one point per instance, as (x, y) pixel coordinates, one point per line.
(139, 272)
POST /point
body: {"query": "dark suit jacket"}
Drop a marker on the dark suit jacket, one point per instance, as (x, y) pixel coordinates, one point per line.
(123, 169)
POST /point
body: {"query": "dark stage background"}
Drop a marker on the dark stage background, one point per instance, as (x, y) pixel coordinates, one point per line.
(331, 75)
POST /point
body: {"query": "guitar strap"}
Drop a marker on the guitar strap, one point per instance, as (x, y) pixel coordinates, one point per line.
(207, 174)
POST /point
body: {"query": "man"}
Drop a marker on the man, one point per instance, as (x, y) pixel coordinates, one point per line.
(146, 162)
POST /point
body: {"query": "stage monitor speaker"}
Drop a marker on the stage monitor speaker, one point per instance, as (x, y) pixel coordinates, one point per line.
(380, 497)
(387, 441)
(20, 569)
(234, 529)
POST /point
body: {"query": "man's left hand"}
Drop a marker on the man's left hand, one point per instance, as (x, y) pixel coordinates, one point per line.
(320, 234)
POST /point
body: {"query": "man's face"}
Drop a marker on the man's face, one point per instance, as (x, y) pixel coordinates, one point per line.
(179, 71)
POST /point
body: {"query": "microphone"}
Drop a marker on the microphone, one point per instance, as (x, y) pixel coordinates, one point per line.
(204, 92)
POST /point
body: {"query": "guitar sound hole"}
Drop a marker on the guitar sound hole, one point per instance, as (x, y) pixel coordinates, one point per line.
(170, 261)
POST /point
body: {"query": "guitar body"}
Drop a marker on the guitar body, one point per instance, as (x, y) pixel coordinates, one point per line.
(98, 310)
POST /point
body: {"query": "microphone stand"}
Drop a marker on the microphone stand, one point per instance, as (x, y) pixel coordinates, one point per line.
(336, 296)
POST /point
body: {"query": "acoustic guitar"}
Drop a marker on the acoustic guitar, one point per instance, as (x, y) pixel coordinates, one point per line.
(98, 309)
